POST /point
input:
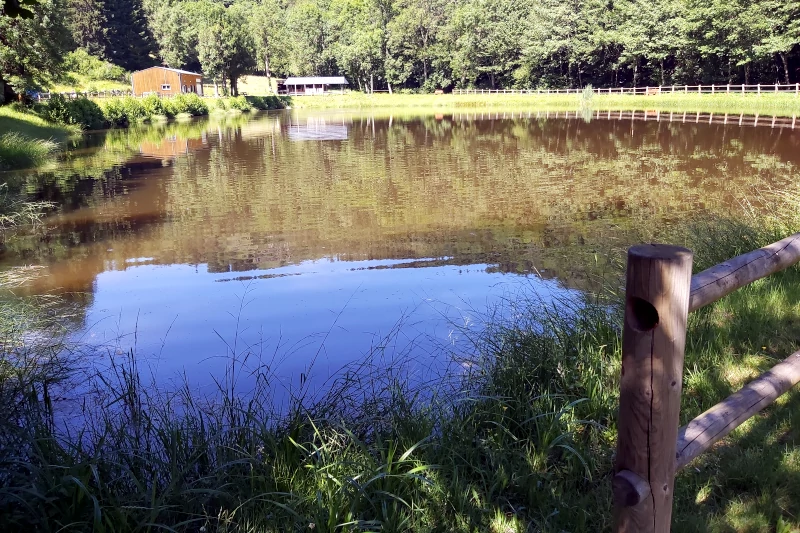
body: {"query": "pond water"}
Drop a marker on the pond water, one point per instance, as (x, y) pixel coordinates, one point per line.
(303, 241)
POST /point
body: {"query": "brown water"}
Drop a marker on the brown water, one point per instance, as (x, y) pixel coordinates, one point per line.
(308, 238)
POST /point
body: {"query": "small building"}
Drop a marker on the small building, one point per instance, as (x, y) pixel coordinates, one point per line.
(313, 85)
(165, 81)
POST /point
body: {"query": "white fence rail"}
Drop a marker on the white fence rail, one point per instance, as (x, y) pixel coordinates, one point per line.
(75, 95)
(793, 88)
(727, 119)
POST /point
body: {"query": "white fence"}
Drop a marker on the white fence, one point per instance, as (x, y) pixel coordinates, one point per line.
(728, 119)
(793, 88)
(75, 95)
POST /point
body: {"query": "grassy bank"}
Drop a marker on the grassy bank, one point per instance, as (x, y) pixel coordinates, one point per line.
(765, 104)
(523, 440)
(27, 139)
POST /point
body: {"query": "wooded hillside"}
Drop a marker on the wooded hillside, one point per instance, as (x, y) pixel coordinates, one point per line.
(420, 44)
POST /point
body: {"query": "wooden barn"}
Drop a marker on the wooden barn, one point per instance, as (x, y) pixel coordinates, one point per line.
(312, 85)
(165, 81)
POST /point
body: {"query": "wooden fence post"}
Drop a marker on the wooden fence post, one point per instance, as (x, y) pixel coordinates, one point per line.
(653, 340)
(759, 88)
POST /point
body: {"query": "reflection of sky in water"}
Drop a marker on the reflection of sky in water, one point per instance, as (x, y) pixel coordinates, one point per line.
(372, 220)
(186, 319)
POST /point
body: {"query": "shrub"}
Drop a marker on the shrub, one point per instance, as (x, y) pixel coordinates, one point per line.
(153, 105)
(81, 111)
(94, 68)
(264, 103)
(220, 103)
(189, 103)
(114, 110)
(240, 103)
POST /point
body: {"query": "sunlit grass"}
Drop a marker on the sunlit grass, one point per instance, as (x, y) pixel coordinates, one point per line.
(749, 104)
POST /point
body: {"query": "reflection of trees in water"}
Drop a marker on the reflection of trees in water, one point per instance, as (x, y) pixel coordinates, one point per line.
(524, 195)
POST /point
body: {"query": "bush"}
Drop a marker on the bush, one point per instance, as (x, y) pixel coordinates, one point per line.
(153, 105)
(240, 103)
(94, 68)
(81, 111)
(187, 103)
(264, 103)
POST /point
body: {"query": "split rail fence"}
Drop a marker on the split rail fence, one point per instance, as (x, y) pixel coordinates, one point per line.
(793, 88)
(651, 448)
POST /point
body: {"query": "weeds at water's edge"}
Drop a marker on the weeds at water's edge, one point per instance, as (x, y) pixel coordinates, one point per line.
(524, 443)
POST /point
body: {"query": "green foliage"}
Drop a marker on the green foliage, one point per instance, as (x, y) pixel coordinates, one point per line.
(188, 103)
(264, 103)
(17, 151)
(153, 105)
(31, 48)
(81, 112)
(123, 111)
(239, 103)
(92, 67)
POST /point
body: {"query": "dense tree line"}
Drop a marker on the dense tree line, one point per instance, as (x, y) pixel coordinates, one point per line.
(423, 44)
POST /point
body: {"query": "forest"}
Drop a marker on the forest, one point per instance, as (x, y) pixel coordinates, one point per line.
(416, 45)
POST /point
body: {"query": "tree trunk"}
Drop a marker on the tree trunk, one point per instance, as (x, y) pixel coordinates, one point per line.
(371, 83)
(747, 74)
(491, 79)
(267, 72)
(389, 85)
(425, 69)
(662, 73)
(785, 68)
(216, 88)
(234, 86)
(635, 72)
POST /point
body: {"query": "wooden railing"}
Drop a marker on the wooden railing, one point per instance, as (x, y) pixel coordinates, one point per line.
(793, 88)
(651, 448)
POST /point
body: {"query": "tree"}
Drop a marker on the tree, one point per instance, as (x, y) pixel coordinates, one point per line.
(649, 32)
(782, 20)
(224, 45)
(310, 52)
(175, 30)
(31, 48)
(268, 27)
(727, 31)
(130, 43)
(358, 38)
(87, 22)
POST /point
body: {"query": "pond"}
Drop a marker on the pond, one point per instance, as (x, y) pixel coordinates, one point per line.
(303, 241)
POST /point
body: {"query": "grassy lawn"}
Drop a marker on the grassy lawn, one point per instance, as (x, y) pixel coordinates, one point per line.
(28, 140)
(765, 104)
(80, 83)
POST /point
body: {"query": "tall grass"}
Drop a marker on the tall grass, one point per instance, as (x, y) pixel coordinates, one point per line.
(17, 151)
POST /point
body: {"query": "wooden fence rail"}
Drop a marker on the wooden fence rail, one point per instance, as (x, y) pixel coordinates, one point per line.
(793, 88)
(660, 292)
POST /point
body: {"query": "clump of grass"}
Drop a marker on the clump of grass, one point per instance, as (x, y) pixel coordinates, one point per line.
(18, 151)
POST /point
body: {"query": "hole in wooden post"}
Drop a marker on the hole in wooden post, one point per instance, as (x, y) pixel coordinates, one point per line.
(642, 315)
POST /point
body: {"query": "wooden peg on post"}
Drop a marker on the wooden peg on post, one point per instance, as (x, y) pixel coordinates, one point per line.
(653, 340)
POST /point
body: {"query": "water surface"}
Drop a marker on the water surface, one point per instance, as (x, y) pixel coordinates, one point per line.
(304, 240)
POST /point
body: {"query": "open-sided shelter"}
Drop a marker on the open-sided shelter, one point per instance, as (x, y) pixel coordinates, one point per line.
(298, 86)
